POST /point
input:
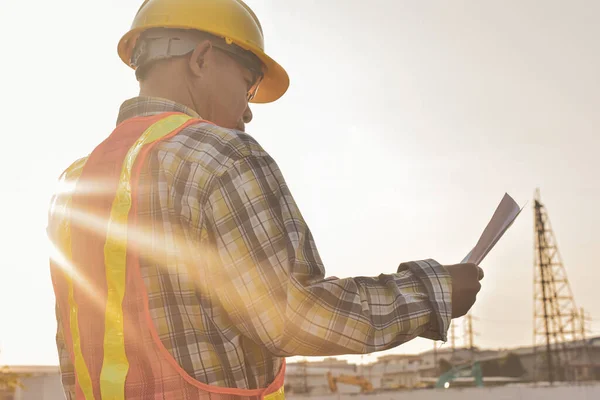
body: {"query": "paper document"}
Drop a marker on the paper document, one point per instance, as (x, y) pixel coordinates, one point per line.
(505, 215)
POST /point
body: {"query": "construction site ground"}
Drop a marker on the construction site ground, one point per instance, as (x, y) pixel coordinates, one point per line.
(579, 392)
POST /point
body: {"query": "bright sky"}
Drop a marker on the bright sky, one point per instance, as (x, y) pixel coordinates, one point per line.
(405, 123)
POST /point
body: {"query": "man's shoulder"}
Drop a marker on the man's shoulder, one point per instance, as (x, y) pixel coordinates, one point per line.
(212, 147)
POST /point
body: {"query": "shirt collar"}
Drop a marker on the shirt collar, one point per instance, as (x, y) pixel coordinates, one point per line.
(146, 106)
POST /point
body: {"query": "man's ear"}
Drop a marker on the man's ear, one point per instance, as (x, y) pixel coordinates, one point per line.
(199, 57)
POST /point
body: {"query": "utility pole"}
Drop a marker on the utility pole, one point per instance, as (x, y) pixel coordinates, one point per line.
(585, 354)
(555, 312)
(470, 335)
(586, 321)
(470, 330)
(452, 337)
(304, 375)
(435, 359)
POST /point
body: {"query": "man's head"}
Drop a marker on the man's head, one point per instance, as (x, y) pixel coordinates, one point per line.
(212, 74)
(215, 78)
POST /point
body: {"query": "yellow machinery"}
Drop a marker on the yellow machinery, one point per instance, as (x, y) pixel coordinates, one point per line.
(365, 385)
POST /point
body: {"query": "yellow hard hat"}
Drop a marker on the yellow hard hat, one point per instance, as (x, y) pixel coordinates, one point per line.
(232, 20)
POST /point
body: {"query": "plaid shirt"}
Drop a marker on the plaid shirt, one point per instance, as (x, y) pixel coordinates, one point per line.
(234, 278)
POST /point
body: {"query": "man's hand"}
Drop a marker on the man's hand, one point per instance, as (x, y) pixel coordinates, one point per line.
(465, 286)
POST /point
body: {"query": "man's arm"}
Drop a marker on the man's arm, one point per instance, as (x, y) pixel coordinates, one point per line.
(270, 278)
(67, 370)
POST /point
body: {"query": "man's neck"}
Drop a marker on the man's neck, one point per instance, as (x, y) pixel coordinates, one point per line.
(173, 91)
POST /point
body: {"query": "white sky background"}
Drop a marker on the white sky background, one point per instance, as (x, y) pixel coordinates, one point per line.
(405, 123)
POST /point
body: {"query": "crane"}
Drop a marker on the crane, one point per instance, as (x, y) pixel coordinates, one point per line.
(365, 385)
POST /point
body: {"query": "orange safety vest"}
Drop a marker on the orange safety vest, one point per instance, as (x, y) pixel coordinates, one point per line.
(106, 323)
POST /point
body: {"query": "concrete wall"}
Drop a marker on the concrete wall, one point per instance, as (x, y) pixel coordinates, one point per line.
(591, 392)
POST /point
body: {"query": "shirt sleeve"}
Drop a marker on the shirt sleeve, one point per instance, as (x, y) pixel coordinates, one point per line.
(271, 281)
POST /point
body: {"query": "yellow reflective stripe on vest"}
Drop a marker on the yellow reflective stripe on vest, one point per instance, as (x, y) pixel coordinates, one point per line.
(115, 365)
(278, 395)
(81, 371)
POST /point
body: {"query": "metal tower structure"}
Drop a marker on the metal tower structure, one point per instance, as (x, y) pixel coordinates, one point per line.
(556, 317)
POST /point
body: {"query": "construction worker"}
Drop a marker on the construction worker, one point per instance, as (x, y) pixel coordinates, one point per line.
(186, 268)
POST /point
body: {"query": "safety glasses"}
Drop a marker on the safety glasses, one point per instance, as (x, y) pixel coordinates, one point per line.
(246, 62)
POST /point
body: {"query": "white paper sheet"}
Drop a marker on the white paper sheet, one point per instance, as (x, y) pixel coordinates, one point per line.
(506, 213)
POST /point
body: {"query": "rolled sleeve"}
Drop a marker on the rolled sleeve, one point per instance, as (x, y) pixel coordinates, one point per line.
(438, 284)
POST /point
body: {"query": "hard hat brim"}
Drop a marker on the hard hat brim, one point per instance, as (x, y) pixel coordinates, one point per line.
(275, 81)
